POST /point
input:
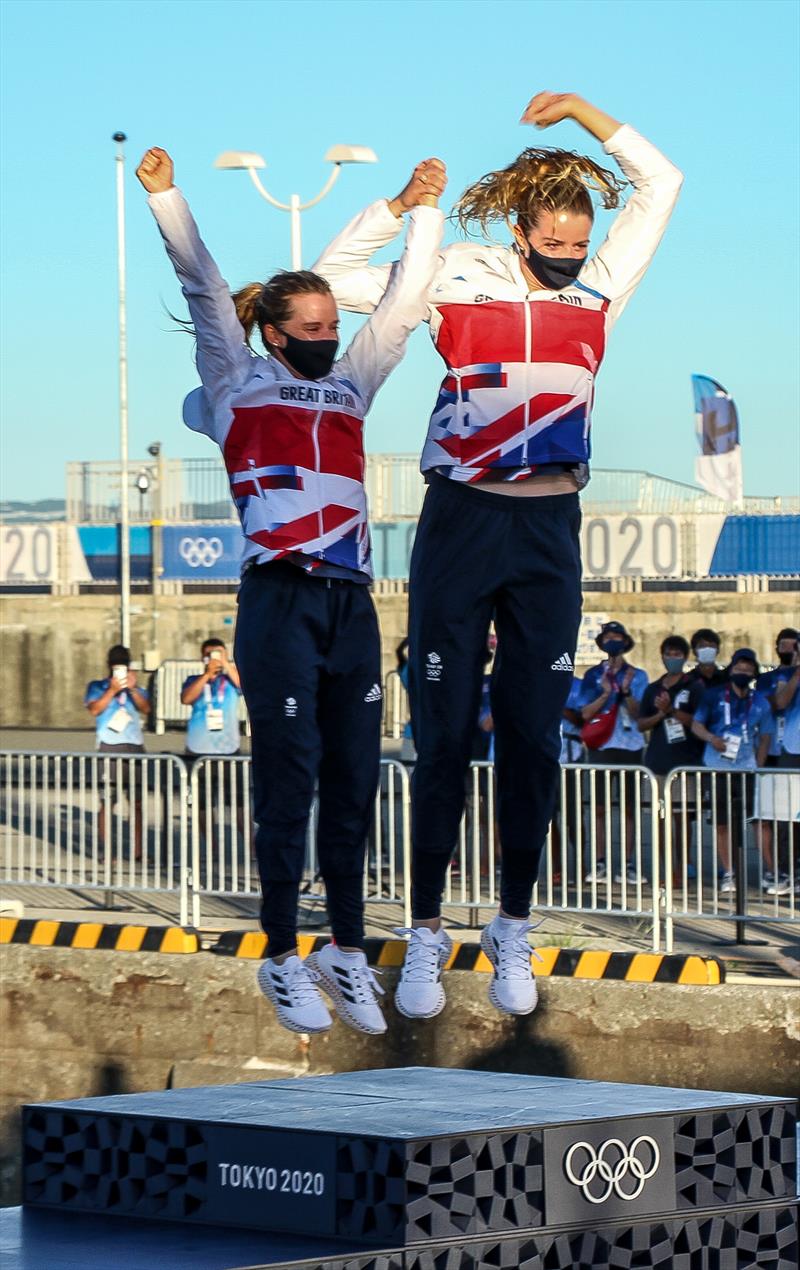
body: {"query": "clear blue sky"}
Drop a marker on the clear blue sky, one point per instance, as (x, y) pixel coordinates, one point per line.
(713, 84)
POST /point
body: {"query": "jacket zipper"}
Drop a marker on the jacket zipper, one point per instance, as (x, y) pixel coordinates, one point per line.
(528, 356)
(318, 469)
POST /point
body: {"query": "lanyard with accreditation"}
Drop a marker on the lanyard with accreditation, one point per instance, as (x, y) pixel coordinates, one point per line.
(214, 717)
(733, 743)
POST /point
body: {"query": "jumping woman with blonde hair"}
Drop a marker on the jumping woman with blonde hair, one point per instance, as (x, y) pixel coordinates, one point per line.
(522, 330)
(290, 426)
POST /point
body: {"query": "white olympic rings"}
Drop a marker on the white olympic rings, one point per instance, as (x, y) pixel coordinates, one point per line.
(200, 551)
(612, 1175)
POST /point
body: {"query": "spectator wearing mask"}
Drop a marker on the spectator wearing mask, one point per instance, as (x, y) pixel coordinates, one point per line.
(118, 705)
(736, 725)
(707, 673)
(665, 715)
(609, 701)
(768, 683)
(778, 883)
(787, 700)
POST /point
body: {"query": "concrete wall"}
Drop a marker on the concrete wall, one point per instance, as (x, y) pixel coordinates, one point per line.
(51, 646)
(75, 1024)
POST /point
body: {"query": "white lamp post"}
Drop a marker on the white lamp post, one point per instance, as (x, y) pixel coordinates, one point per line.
(124, 513)
(337, 155)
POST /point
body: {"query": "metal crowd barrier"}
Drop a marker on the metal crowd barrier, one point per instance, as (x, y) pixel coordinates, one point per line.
(170, 712)
(742, 823)
(602, 816)
(95, 821)
(623, 843)
(223, 859)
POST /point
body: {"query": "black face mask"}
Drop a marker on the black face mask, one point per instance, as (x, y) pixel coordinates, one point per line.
(313, 359)
(786, 659)
(555, 272)
(741, 680)
(614, 647)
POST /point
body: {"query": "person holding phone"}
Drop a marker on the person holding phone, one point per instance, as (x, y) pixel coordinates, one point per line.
(522, 330)
(118, 705)
(290, 425)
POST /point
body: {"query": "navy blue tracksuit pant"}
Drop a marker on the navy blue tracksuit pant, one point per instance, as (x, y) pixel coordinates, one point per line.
(308, 653)
(478, 555)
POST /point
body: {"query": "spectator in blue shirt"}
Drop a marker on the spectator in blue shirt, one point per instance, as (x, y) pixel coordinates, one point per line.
(787, 699)
(612, 692)
(736, 725)
(779, 882)
(117, 705)
(213, 726)
(213, 729)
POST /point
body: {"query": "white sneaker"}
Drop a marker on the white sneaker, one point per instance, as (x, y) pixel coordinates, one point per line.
(513, 987)
(292, 989)
(598, 874)
(727, 884)
(782, 885)
(420, 994)
(352, 986)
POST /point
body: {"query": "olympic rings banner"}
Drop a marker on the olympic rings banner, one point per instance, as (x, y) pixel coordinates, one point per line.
(202, 553)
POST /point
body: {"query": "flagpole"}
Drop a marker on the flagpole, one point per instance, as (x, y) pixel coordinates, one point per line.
(124, 510)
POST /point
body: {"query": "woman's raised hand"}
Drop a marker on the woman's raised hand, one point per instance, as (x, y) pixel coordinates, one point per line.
(547, 108)
(425, 186)
(156, 171)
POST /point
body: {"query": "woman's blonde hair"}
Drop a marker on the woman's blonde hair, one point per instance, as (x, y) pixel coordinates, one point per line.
(538, 181)
(259, 303)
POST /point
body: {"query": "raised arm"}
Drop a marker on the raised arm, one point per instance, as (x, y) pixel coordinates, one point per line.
(381, 342)
(358, 286)
(223, 358)
(620, 264)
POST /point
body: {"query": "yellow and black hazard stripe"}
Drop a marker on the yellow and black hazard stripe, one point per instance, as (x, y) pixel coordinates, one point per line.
(574, 963)
(103, 935)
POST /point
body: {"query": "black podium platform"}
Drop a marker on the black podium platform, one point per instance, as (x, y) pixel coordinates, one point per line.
(435, 1169)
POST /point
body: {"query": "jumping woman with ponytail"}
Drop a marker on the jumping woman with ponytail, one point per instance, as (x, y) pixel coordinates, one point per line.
(290, 426)
(522, 330)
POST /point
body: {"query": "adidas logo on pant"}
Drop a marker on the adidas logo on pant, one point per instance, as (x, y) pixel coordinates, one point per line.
(374, 693)
(564, 662)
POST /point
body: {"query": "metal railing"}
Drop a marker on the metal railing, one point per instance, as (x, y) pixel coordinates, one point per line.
(623, 843)
(223, 859)
(95, 821)
(732, 847)
(170, 711)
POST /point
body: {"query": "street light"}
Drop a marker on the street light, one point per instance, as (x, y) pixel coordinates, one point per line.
(124, 513)
(237, 160)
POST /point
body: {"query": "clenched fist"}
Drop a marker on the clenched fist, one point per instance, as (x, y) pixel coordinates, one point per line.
(156, 171)
(548, 108)
(426, 185)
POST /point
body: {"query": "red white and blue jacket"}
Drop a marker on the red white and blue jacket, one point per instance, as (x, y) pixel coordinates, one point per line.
(294, 448)
(521, 364)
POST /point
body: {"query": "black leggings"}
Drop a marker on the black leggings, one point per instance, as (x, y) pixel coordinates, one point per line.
(479, 555)
(308, 652)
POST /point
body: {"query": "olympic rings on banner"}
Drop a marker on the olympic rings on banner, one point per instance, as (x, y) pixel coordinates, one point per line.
(199, 552)
(612, 1175)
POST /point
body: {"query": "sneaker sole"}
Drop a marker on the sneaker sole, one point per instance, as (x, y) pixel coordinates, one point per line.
(486, 945)
(343, 1008)
(265, 984)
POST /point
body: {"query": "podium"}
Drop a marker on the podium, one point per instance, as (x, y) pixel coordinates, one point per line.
(432, 1169)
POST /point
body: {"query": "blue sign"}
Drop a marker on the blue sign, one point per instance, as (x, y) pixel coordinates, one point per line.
(202, 553)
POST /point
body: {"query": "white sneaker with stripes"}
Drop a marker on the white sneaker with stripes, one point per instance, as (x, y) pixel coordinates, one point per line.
(291, 986)
(353, 987)
(513, 987)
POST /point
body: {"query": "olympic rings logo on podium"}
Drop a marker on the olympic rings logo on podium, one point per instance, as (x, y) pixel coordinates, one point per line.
(613, 1176)
(199, 552)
